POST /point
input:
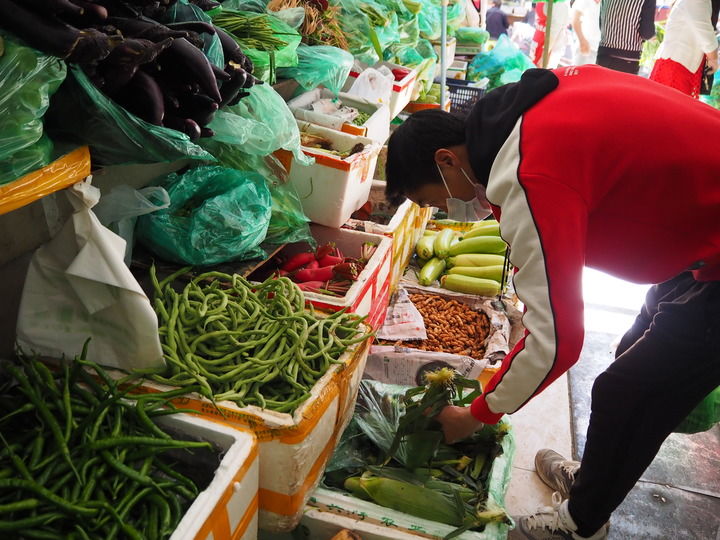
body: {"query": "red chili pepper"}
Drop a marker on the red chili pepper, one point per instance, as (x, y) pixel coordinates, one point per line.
(347, 270)
(312, 265)
(330, 260)
(297, 261)
(326, 249)
(318, 274)
(311, 285)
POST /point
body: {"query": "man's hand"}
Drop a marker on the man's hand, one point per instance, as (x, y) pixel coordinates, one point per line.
(457, 423)
(584, 46)
(712, 61)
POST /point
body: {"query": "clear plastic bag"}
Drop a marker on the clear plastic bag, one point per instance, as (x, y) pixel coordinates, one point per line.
(320, 65)
(82, 115)
(466, 34)
(120, 209)
(27, 79)
(373, 86)
(504, 63)
(216, 215)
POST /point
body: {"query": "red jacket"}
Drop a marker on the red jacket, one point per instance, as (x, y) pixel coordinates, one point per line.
(610, 171)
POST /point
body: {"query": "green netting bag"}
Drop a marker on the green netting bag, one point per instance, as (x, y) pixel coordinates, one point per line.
(471, 34)
(320, 65)
(183, 11)
(288, 222)
(216, 215)
(81, 114)
(27, 79)
(704, 416)
(259, 124)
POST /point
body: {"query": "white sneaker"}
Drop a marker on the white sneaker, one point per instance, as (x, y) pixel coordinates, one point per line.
(556, 471)
(551, 523)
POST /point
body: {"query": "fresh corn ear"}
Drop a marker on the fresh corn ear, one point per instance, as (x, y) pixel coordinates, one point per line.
(414, 500)
(489, 229)
(493, 272)
(476, 259)
(443, 241)
(470, 285)
(428, 232)
(431, 271)
(485, 223)
(353, 485)
(478, 244)
(424, 247)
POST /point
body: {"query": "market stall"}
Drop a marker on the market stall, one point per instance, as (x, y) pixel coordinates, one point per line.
(215, 326)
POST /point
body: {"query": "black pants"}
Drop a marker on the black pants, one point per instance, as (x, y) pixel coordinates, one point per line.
(618, 64)
(664, 366)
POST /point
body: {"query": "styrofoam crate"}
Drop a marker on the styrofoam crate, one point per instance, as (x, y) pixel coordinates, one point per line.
(332, 188)
(228, 507)
(457, 70)
(377, 127)
(450, 48)
(365, 296)
(402, 90)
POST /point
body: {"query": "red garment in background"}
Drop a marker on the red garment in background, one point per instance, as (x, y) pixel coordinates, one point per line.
(538, 42)
(675, 75)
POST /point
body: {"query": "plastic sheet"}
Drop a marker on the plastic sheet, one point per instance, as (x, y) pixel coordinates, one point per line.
(27, 79)
(320, 65)
(215, 215)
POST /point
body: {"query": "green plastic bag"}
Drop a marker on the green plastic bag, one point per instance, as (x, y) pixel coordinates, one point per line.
(430, 18)
(184, 11)
(471, 34)
(503, 64)
(27, 79)
(370, 28)
(320, 65)
(288, 222)
(82, 115)
(259, 124)
(704, 416)
(216, 215)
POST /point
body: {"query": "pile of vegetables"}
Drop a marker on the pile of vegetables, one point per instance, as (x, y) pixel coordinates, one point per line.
(326, 270)
(320, 25)
(398, 458)
(252, 344)
(475, 261)
(318, 142)
(432, 95)
(84, 459)
(156, 71)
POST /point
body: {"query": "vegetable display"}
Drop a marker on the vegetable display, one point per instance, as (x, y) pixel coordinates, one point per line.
(398, 458)
(474, 261)
(320, 25)
(158, 72)
(83, 459)
(252, 344)
(451, 326)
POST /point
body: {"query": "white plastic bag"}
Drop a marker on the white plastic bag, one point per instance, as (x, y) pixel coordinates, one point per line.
(78, 287)
(119, 210)
(373, 85)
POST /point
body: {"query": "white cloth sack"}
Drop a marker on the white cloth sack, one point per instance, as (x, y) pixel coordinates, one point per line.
(78, 287)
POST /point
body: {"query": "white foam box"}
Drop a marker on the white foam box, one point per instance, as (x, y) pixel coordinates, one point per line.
(228, 507)
(332, 188)
(377, 127)
(293, 448)
(401, 92)
(457, 70)
(369, 294)
(405, 228)
(468, 49)
(450, 48)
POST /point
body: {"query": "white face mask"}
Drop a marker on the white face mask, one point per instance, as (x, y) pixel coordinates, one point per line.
(475, 209)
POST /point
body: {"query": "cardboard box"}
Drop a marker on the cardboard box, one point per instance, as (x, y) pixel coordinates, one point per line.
(401, 92)
(228, 507)
(332, 188)
(369, 294)
(293, 449)
(377, 127)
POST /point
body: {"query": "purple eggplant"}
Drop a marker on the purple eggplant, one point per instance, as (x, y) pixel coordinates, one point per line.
(198, 107)
(144, 28)
(199, 27)
(206, 132)
(125, 60)
(184, 125)
(184, 56)
(143, 97)
(232, 50)
(54, 7)
(220, 75)
(205, 5)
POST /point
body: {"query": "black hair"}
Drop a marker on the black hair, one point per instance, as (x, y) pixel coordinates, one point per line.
(411, 151)
(497, 3)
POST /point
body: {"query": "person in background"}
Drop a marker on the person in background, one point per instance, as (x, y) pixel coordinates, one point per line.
(688, 47)
(624, 26)
(567, 197)
(586, 24)
(496, 20)
(558, 33)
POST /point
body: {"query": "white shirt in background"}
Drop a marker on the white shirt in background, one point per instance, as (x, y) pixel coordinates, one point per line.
(590, 21)
(689, 34)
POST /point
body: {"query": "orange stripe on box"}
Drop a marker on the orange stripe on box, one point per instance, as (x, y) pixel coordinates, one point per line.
(247, 518)
(288, 505)
(352, 129)
(218, 521)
